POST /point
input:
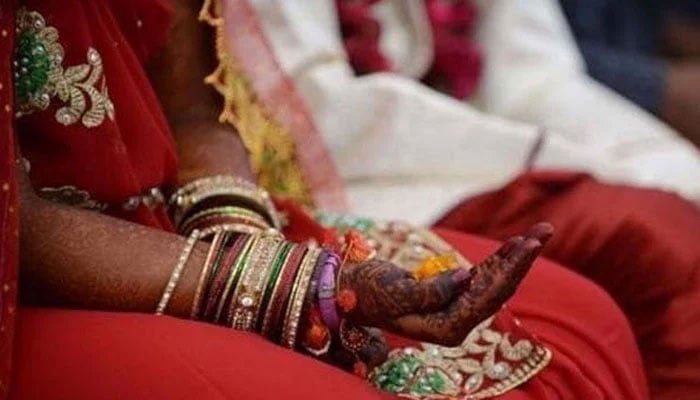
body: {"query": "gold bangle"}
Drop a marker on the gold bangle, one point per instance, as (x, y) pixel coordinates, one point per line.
(228, 211)
(247, 296)
(239, 228)
(260, 225)
(215, 244)
(233, 278)
(296, 301)
(266, 316)
(221, 185)
(177, 272)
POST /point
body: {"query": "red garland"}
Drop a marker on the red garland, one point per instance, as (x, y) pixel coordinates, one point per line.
(457, 63)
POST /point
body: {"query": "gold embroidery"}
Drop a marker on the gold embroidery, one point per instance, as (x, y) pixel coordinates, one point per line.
(72, 196)
(40, 76)
(272, 150)
(486, 365)
(398, 242)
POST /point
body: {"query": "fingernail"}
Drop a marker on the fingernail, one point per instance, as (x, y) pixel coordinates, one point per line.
(461, 275)
(542, 231)
(531, 244)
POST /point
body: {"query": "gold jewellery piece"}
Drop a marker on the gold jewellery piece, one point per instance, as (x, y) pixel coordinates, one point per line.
(216, 244)
(296, 301)
(248, 293)
(177, 272)
(221, 185)
(239, 228)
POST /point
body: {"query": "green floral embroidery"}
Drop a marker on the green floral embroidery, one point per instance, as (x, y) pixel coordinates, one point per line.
(408, 374)
(344, 222)
(40, 76)
(487, 364)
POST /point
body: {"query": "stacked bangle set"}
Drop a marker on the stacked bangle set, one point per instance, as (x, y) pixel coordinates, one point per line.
(252, 279)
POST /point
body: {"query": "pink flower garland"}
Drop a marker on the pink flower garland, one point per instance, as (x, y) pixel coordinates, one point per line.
(457, 63)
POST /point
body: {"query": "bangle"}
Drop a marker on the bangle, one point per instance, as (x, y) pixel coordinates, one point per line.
(177, 271)
(226, 213)
(326, 291)
(214, 248)
(316, 339)
(234, 277)
(246, 298)
(296, 301)
(219, 280)
(222, 220)
(238, 228)
(271, 285)
(271, 326)
(185, 198)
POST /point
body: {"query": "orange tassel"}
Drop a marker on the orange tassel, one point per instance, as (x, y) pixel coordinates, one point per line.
(356, 249)
(360, 369)
(346, 300)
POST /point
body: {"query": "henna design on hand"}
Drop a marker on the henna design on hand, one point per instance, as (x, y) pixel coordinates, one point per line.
(385, 291)
(443, 309)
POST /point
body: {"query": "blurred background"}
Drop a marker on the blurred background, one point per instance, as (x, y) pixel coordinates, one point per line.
(426, 102)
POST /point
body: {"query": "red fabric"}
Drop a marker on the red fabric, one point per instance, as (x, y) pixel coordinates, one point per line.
(88, 355)
(119, 158)
(114, 161)
(9, 210)
(640, 245)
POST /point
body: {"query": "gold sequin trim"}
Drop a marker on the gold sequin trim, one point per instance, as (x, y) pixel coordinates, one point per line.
(271, 148)
(487, 364)
(73, 86)
(72, 196)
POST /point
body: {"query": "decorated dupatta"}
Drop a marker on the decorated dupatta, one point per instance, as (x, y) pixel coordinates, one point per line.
(9, 208)
(286, 150)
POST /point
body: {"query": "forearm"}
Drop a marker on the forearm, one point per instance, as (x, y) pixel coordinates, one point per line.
(205, 146)
(91, 261)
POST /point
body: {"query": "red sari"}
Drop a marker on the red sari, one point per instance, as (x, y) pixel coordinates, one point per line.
(63, 354)
(641, 245)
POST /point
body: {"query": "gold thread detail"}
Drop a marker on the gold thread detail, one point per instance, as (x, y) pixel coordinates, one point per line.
(71, 196)
(487, 364)
(73, 85)
(272, 151)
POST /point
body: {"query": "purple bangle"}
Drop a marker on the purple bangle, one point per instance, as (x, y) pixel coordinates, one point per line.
(326, 291)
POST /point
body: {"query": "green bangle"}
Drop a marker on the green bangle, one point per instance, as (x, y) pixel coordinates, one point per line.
(278, 262)
(234, 276)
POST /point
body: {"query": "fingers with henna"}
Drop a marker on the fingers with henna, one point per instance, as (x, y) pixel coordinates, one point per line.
(542, 231)
(493, 282)
(429, 295)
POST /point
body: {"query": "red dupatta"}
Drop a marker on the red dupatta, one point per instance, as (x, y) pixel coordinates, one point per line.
(123, 155)
(9, 216)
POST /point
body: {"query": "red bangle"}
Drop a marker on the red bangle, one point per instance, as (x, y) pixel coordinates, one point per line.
(277, 304)
(218, 284)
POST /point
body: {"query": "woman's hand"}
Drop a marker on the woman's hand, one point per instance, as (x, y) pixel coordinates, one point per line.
(445, 308)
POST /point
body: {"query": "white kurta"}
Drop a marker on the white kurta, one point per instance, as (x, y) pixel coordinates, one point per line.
(407, 152)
